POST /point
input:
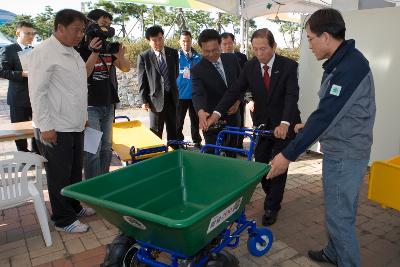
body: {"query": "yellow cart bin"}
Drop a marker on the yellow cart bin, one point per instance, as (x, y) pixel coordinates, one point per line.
(384, 183)
(134, 134)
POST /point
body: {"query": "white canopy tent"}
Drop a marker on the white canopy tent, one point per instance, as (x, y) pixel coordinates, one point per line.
(248, 9)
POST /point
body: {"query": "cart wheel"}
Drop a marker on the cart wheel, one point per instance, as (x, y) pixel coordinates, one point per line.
(223, 259)
(258, 249)
(120, 252)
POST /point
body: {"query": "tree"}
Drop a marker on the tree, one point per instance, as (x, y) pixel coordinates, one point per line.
(122, 12)
(44, 23)
(10, 28)
(291, 29)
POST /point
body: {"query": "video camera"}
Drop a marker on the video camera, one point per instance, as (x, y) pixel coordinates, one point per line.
(103, 33)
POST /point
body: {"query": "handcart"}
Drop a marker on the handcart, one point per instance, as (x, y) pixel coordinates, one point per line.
(185, 205)
(384, 183)
(133, 142)
(224, 130)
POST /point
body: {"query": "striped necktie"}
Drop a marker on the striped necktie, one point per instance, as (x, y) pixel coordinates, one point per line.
(164, 71)
(221, 73)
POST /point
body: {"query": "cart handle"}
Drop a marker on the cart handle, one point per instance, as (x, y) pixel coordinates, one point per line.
(122, 117)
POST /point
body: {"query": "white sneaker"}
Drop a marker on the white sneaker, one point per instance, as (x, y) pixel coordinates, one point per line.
(86, 212)
(75, 227)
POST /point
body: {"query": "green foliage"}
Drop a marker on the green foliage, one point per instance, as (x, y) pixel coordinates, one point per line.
(43, 23)
(9, 29)
(290, 30)
(293, 53)
(133, 49)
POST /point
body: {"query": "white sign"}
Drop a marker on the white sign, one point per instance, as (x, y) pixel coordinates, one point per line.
(223, 215)
(134, 222)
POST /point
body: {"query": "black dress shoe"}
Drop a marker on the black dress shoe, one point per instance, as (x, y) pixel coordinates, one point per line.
(320, 256)
(269, 217)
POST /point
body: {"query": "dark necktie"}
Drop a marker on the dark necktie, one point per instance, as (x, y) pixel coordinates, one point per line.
(221, 73)
(164, 71)
(266, 77)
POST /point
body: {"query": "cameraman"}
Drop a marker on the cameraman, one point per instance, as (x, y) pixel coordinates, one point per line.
(102, 89)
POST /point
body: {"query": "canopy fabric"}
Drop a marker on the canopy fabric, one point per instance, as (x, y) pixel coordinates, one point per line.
(6, 16)
(174, 3)
(256, 8)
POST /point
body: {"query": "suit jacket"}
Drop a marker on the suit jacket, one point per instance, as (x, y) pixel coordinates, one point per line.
(151, 85)
(208, 87)
(280, 104)
(242, 59)
(11, 69)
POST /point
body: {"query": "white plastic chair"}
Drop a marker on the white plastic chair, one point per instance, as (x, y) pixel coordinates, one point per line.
(16, 187)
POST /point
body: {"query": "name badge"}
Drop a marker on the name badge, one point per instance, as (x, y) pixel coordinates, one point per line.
(186, 73)
(335, 90)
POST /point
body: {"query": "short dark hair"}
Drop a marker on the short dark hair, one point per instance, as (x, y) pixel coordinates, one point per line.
(264, 33)
(208, 35)
(26, 24)
(67, 16)
(186, 33)
(153, 31)
(327, 20)
(226, 35)
(97, 13)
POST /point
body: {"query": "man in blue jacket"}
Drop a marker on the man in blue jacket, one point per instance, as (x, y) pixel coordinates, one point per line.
(343, 123)
(188, 57)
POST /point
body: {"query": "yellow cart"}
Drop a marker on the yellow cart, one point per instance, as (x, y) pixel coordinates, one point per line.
(384, 183)
(132, 141)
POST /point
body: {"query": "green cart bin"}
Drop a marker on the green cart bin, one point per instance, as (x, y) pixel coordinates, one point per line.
(178, 201)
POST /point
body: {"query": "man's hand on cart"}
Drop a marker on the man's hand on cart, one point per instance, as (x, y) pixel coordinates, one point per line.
(234, 108)
(203, 119)
(281, 131)
(49, 137)
(213, 119)
(146, 106)
(298, 127)
(250, 106)
(278, 166)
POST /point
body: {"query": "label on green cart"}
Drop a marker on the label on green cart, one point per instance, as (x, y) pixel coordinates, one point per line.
(134, 222)
(223, 215)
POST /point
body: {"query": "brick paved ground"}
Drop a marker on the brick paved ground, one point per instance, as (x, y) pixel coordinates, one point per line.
(300, 225)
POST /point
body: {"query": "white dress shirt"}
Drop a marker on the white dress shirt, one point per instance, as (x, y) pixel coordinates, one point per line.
(57, 87)
(158, 55)
(269, 64)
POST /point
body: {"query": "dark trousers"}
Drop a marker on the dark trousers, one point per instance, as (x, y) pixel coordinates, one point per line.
(242, 108)
(274, 188)
(19, 114)
(183, 106)
(167, 116)
(63, 168)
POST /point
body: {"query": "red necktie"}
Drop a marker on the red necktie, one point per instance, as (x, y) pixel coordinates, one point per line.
(266, 77)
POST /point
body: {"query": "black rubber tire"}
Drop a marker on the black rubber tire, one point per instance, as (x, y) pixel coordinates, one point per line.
(116, 251)
(223, 259)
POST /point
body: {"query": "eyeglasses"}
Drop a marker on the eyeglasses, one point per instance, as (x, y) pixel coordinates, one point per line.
(29, 33)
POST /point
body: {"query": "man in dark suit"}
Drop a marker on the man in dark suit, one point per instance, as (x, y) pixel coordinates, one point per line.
(228, 46)
(211, 78)
(158, 68)
(11, 69)
(272, 81)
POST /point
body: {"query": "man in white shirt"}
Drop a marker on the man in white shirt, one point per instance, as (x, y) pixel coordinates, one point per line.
(58, 91)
